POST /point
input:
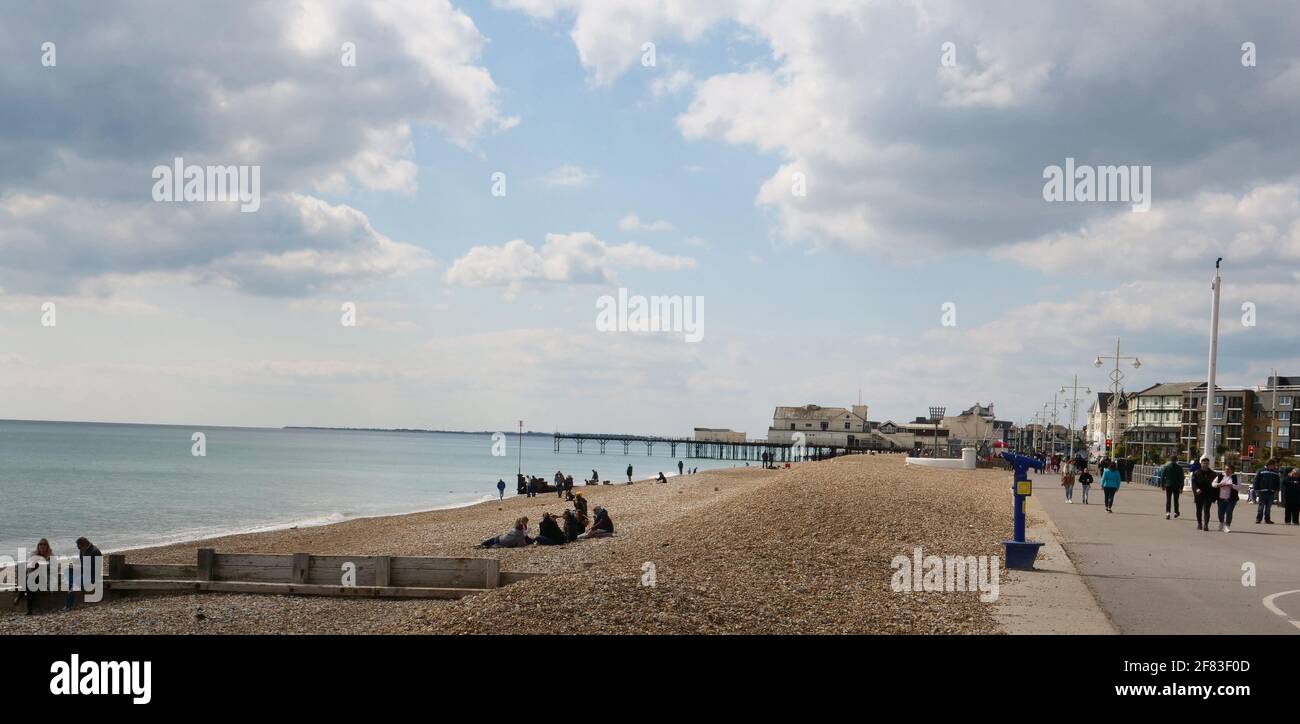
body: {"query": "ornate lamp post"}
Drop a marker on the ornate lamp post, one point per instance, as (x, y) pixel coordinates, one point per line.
(1074, 408)
(1116, 377)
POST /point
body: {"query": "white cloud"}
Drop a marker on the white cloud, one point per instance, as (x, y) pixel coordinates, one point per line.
(75, 188)
(576, 258)
(671, 83)
(1256, 229)
(571, 176)
(632, 222)
(901, 153)
(297, 244)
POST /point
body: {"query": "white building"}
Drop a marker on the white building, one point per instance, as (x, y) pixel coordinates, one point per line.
(820, 426)
(1099, 420)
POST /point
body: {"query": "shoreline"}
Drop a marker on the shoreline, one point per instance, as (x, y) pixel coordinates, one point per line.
(319, 522)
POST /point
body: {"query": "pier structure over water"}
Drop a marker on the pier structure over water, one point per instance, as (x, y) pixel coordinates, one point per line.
(701, 449)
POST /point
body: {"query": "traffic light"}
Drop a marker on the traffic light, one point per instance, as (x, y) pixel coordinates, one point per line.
(1107, 444)
(1250, 451)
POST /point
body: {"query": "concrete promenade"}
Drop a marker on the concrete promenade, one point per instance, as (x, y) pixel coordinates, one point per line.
(1157, 576)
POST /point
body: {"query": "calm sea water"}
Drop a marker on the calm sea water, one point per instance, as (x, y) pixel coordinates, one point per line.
(133, 485)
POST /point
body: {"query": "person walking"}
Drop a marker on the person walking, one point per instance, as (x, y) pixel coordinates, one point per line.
(1291, 497)
(1110, 480)
(532, 487)
(1267, 484)
(1203, 492)
(501, 489)
(1067, 482)
(1228, 489)
(1172, 479)
(680, 467)
(1085, 482)
(629, 472)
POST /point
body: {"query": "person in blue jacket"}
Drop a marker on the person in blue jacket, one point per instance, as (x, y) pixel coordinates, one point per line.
(501, 489)
(1109, 484)
(1268, 482)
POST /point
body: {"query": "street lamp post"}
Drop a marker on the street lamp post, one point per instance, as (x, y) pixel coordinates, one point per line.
(1074, 408)
(1116, 376)
(936, 414)
(1214, 356)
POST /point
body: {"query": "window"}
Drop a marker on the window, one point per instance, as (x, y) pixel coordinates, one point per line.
(1284, 415)
(846, 426)
(792, 426)
(1218, 399)
(1284, 400)
(825, 425)
(1284, 432)
(1218, 414)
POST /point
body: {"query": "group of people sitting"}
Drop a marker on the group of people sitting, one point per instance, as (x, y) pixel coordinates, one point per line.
(90, 560)
(561, 485)
(551, 532)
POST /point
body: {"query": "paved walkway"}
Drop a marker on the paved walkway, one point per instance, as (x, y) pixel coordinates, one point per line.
(1157, 576)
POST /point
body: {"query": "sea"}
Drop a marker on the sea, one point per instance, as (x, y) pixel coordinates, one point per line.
(129, 486)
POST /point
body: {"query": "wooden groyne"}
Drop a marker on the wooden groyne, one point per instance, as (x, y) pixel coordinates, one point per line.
(313, 575)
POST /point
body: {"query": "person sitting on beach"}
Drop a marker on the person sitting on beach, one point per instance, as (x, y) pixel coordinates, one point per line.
(580, 504)
(41, 557)
(549, 533)
(661, 478)
(602, 526)
(572, 526)
(91, 562)
(516, 537)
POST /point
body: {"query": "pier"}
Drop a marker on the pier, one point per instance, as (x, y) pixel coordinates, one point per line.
(698, 449)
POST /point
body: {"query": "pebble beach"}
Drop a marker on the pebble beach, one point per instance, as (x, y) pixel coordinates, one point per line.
(803, 550)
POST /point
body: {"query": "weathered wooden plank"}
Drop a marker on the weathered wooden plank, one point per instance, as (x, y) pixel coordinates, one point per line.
(492, 574)
(383, 569)
(439, 564)
(206, 562)
(328, 570)
(301, 564)
(167, 571)
(294, 589)
(261, 560)
(116, 565)
(438, 579)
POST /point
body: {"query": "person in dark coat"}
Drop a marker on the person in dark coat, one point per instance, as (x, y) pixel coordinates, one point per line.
(1172, 479)
(1291, 497)
(1268, 482)
(1204, 493)
(549, 533)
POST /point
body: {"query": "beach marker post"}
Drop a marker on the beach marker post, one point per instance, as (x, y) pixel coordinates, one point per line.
(1020, 554)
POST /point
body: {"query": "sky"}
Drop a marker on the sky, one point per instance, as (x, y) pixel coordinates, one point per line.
(849, 194)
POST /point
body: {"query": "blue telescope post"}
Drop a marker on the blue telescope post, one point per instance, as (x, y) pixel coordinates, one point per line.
(1020, 553)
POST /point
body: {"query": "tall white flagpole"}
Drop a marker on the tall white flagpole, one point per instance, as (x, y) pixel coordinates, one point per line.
(1214, 355)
